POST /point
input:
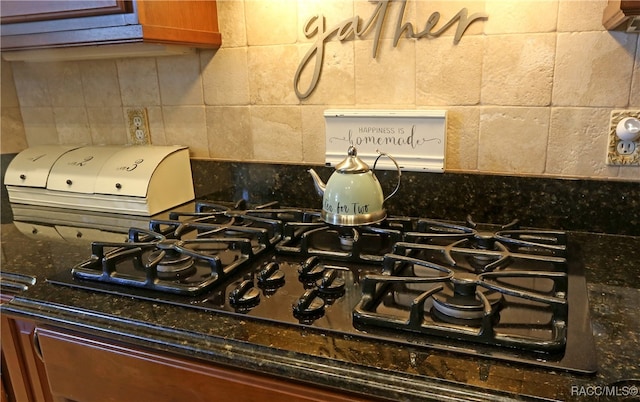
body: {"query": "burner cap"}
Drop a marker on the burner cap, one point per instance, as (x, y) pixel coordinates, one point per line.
(450, 303)
(173, 265)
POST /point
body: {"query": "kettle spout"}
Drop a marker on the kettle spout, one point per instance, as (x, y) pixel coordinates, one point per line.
(317, 182)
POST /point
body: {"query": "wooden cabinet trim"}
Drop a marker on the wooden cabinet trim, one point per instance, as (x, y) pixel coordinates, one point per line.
(88, 369)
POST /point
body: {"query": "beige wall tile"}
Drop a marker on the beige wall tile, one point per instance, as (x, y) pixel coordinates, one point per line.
(65, 84)
(186, 125)
(7, 86)
(313, 134)
(336, 82)
(138, 79)
(232, 24)
(582, 15)
(156, 125)
(448, 10)
(448, 74)
(39, 126)
(271, 72)
(31, 80)
(180, 80)
(388, 79)
(634, 98)
(100, 83)
(72, 125)
(107, 126)
(462, 138)
(277, 135)
(13, 137)
(225, 77)
(629, 172)
(229, 133)
(518, 70)
(578, 140)
(521, 16)
(271, 22)
(333, 11)
(594, 69)
(513, 140)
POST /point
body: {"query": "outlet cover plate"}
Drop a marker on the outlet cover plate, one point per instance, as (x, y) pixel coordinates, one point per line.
(138, 126)
(614, 157)
(416, 139)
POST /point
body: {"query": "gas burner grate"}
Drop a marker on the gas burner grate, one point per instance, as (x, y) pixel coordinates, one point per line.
(151, 261)
(422, 295)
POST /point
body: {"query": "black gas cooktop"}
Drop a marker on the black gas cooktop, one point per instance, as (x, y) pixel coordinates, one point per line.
(502, 292)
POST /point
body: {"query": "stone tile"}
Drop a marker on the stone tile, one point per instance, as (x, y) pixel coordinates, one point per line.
(100, 83)
(31, 82)
(8, 88)
(333, 11)
(225, 77)
(388, 79)
(583, 15)
(448, 10)
(518, 70)
(65, 84)
(594, 69)
(12, 130)
(313, 134)
(513, 140)
(634, 99)
(229, 133)
(72, 125)
(271, 22)
(336, 82)
(449, 74)
(138, 79)
(156, 125)
(277, 134)
(232, 24)
(186, 125)
(39, 126)
(271, 72)
(522, 16)
(578, 141)
(180, 80)
(629, 172)
(107, 126)
(462, 138)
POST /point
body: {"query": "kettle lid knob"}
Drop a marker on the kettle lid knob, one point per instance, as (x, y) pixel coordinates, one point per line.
(352, 164)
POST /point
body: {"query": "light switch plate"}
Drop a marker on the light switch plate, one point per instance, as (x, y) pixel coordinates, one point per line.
(619, 152)
(416, 139)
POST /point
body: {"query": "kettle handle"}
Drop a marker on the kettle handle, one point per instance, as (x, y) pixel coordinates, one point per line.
(395, 190)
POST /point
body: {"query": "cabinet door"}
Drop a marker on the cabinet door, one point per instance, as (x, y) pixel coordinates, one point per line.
(23, 11)
(23, 372)
(86, 369)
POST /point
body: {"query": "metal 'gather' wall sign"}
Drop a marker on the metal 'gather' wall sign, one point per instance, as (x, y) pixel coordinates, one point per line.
(357, 27)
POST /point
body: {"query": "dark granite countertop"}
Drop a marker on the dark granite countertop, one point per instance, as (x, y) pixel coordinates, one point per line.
(360, 365)
(389, 371)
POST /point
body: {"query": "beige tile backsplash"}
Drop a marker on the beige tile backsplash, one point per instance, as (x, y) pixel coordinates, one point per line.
(528, 91)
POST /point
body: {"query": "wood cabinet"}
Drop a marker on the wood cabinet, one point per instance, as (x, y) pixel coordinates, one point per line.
(23, 372)
(622, 15)
(46, 364)
(87, 369)
(98, 29)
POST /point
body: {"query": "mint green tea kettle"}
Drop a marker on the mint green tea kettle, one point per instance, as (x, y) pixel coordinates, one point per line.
(352, 195)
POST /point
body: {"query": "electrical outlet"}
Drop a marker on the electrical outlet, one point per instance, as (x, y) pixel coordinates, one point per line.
(625, 150)
(138, 126)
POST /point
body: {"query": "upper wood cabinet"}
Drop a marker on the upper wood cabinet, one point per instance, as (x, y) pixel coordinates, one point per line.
(33, 25)
(622, 15)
